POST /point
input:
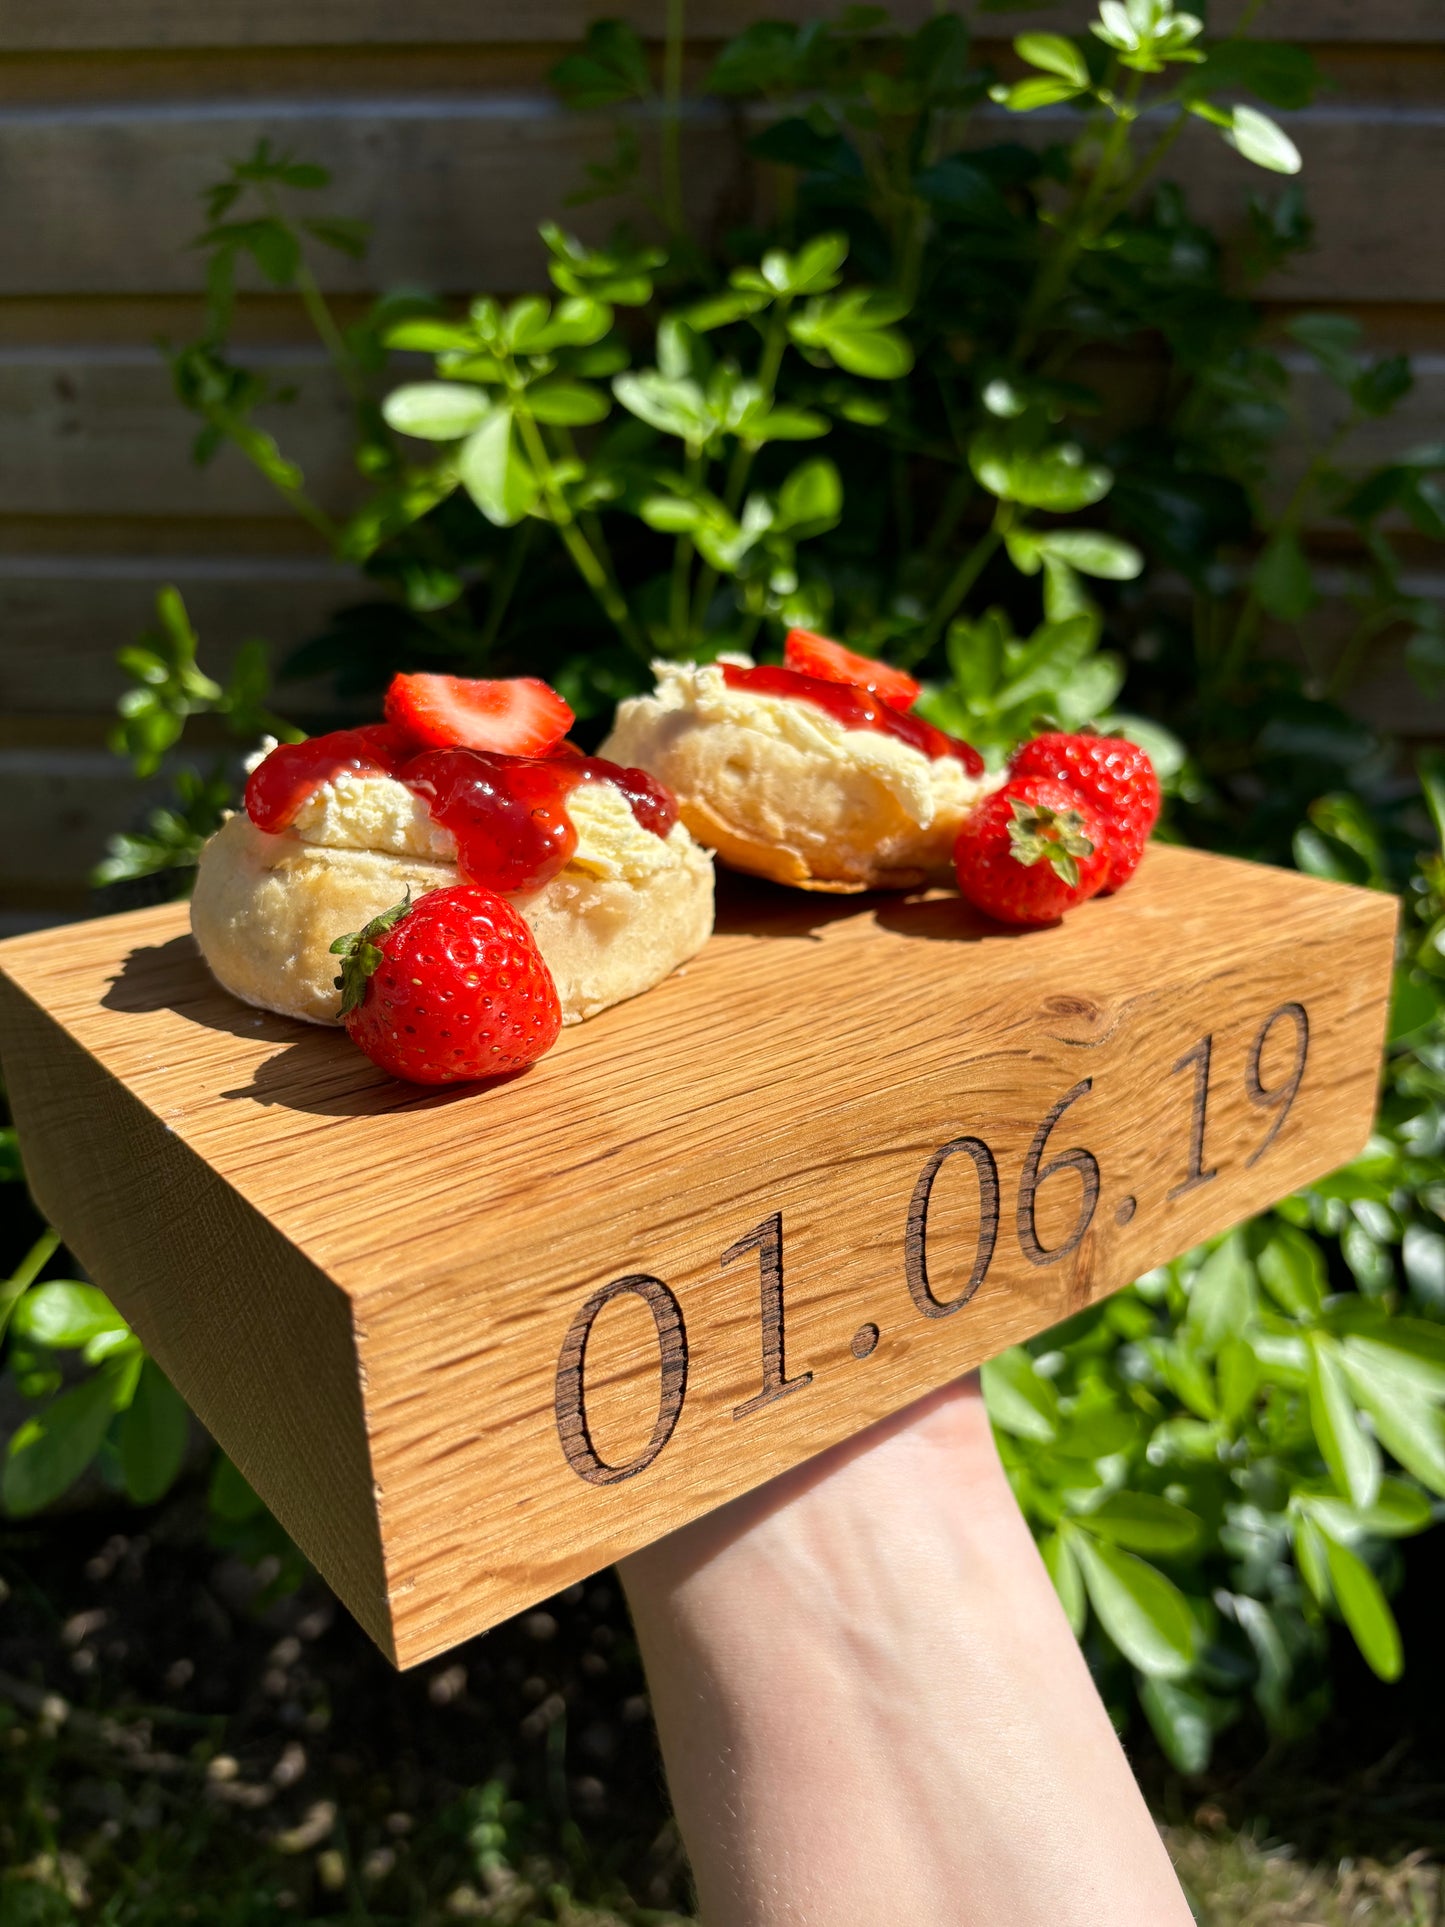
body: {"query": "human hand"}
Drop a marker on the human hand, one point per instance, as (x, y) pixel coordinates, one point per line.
(873, 1710)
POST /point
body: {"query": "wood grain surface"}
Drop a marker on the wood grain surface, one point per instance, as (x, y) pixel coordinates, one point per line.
(852, 1150)
(75, 418)
(73, 175)
(437, 121)
(65, 25)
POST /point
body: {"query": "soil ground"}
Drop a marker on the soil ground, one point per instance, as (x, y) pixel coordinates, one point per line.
(182, 1738)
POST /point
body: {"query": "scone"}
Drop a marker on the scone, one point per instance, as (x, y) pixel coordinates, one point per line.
(811, 779)
(337, 829)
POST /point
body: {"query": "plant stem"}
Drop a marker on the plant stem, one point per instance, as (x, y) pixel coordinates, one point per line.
(503, 588)
(14, 1288)
(1111, 210)
(775, 343)
(679, 617)
(1247, 19)
(1251, 609)
(589, 566)
(961, 581)
(317, 308)
(1054, 275)
(671, 155)
(1347, 664)
(244, 436)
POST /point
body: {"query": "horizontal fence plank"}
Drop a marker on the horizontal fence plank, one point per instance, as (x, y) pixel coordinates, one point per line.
(97, 432)
(64, 617)
(454, 186)
(60, 804)
(63, 25)
(94, 432)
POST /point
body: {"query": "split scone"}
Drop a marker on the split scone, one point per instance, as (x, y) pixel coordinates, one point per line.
(337, 829)
(805, 777)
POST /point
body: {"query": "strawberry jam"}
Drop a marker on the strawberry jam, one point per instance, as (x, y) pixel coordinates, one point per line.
(507, 813)
(283, 782)
(854, 708)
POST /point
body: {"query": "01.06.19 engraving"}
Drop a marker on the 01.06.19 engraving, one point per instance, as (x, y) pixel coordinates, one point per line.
(570, 1397)
(766, 1239)
(1278, 1097)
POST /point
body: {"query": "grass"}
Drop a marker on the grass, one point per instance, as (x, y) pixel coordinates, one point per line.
(1235, 1880)
(186, 1737)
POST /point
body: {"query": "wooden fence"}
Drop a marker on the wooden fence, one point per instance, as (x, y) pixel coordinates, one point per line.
(436, 120)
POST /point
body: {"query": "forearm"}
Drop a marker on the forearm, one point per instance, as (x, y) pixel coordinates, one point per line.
(872, 1708)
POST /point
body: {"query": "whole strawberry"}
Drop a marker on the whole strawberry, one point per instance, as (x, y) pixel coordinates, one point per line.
(448, 989)
(1031, 851)
(1113, 775)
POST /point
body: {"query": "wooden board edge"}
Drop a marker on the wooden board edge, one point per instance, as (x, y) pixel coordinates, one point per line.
(69, 1110)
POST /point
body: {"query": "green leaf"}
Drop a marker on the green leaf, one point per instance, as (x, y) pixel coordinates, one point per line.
(1092, 552)
(1063, 1569)
(1261, 140)
(610, 67)
(1333, 340)
(1350, 1453)
(814, 269)
(878, 354)
(1284, 75)
(1283, 580)
(1055, 55)
(1184, 1720)
(1018, 1400)
(1365, 1610)
(525, 324)
(1221, 1297)
(1399, 1511)
(1320, 855)
(811, 496)
(1408, 1351)
(1311, 1555)
(1145, 1614)
(672, 514)
(1026, 95)
(1403, 1409)
(759, 60)
(566, 403)
(720, 310)
(1166, 752)
(51, 1450)
(424, 335)
(436, 411)
(153, 1433)
(65, 1316)
(1058, 478)
(855, 330)
(344, 235)
(1291, 1268)
(673, 405)
(1142, 1523)
(1238, 1372)
(1187, 1375)
(1423, 1254)
(782, 424)
(1089, 691)
(1378, 388)
(494, 473)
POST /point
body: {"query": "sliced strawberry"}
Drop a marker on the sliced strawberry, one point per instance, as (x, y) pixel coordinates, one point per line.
(813, 655)
(516, 717)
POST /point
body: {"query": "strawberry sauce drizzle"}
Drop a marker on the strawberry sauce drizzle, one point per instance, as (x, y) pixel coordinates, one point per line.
(854, 708)
(507, 813)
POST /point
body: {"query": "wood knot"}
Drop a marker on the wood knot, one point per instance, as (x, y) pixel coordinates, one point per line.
(1083, 1007)
(1074, 1019)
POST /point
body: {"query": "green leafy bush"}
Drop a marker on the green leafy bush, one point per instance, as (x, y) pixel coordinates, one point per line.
(1229, 1454)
